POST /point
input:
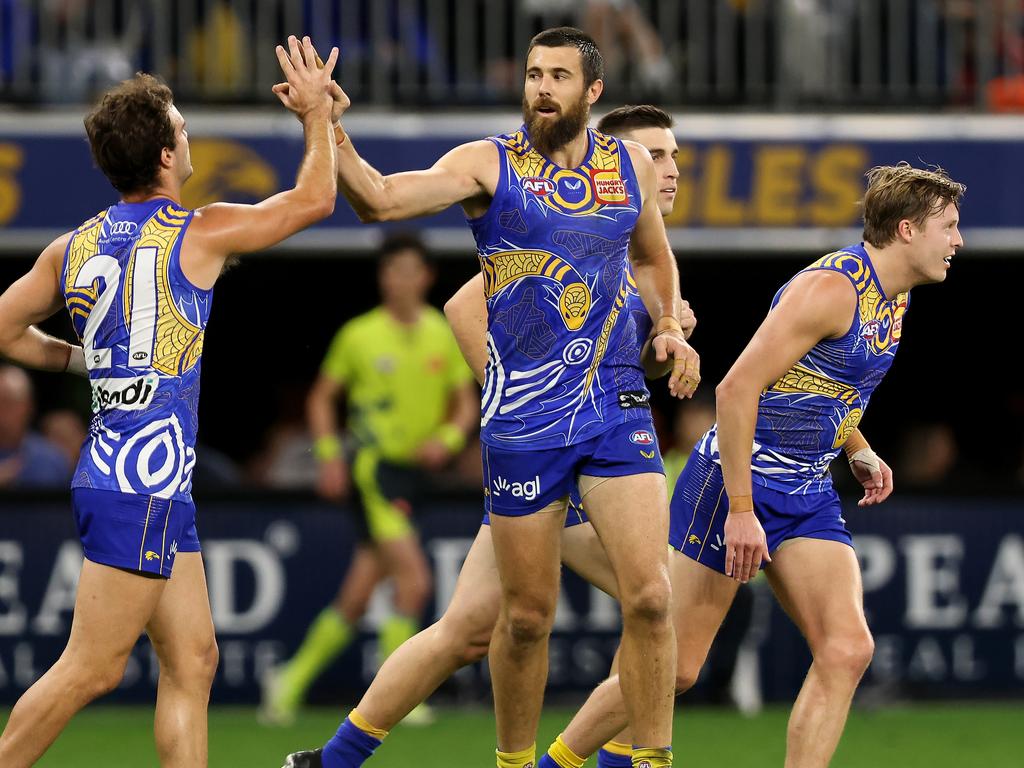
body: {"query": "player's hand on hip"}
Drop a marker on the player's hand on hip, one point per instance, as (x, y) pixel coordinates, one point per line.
(685, 376)
(687, 320)
(308, 87)
(874, 475)
(332, 480)
(745, 546)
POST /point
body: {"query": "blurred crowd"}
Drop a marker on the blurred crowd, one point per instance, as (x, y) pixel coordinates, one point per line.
(721, 52)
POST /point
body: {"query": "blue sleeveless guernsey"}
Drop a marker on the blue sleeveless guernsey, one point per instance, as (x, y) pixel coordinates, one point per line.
(804, 418)
(562, 341)
(141, 323)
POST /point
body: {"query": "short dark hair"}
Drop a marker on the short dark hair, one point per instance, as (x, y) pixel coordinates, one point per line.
(128, 130)
(561, 37)
(634, 116)
(399, 242)
(898, 192)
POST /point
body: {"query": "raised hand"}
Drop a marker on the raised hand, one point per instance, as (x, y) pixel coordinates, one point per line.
(308, 86)
(339, 99)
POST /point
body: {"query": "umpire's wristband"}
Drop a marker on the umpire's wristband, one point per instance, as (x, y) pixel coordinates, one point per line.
(451, 437)
(327, 448)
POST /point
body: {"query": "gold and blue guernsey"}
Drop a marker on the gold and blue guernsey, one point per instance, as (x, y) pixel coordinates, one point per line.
(563, 392)
(141, 325)
(803, 420)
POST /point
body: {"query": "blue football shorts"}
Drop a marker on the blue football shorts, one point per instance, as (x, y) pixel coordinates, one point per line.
(523, 482)
(700, 505)
(138, 533)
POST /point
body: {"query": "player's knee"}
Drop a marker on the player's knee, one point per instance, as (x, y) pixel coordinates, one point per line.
(530, 621)
(97, 679)
(848, 654)
(194, 665)
(207, 659)
(465, 639)
(686, 675)
(650, 603)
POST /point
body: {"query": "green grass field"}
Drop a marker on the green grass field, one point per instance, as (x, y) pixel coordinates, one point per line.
(958, 736)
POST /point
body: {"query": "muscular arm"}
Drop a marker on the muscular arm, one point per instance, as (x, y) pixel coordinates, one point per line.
(222, 229)
(815, 306)
(467, 174)
(219, 230)
(30, 300)
(467, 315)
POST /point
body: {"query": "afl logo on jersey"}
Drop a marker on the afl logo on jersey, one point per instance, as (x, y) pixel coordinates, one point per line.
(870, 330)
(539, 186)
(641, 437)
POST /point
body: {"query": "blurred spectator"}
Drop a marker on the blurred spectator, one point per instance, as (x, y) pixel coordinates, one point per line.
(622, 32)
(65, 429)
(626, 38)
(287, 461)
(927, 458)
(86, 47)
(219, 51)
(27, 459)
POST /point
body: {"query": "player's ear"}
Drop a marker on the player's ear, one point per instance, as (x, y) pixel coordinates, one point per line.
(167, 157)
(905, 230)
(594, 91)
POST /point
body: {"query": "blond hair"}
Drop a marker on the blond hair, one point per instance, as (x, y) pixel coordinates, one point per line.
(898, 192)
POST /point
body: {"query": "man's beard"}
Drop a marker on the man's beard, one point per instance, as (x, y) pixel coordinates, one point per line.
(551, 134)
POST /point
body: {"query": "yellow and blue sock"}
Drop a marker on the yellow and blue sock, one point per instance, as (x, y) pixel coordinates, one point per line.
(559, 755)
(652, 757)
(521, 759)
(615, 754)
(353, 744)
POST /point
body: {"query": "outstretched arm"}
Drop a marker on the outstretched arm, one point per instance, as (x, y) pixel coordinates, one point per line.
(30, 300)
(816, 305)
(222, 229)
(468, 174)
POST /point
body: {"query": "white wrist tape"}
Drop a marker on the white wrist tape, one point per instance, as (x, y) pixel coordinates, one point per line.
(867, 457)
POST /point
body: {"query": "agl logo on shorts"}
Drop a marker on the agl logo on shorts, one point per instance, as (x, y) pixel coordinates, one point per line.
(528, 490)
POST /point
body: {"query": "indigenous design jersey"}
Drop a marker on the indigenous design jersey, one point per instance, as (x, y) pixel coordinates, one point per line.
(804, 418)
(141, 323)
(553, 248)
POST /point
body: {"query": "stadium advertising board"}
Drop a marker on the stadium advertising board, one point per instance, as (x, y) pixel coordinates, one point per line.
(943, 579)
(746, 183)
